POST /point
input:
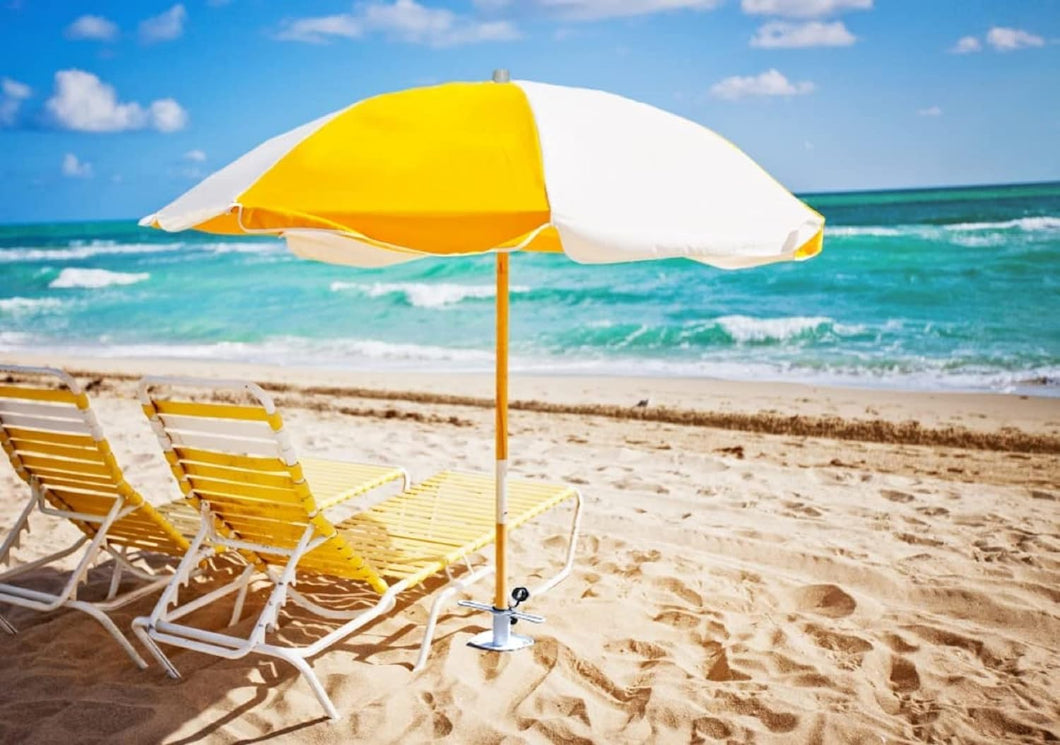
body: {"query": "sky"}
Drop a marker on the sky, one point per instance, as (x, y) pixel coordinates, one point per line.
(112, 109)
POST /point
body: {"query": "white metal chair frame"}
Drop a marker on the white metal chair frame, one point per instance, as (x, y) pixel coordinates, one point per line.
(161, 627)
(97, 546)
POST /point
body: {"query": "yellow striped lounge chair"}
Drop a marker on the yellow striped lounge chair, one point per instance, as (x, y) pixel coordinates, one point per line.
(55, 444)
(261, 498)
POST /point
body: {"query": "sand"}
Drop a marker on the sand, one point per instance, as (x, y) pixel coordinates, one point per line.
(758, 563)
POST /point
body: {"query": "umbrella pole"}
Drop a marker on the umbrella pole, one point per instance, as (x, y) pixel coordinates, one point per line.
(501, 638)
(500, 595)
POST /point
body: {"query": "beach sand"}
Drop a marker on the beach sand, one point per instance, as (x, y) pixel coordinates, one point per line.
(759, 562)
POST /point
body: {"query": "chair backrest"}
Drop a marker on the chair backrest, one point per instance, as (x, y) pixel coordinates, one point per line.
(237, 459)
(56, 445)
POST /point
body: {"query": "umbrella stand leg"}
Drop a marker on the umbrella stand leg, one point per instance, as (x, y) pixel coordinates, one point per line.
(501, 638)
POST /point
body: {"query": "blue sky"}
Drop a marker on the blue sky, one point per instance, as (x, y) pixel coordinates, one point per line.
(111, 109)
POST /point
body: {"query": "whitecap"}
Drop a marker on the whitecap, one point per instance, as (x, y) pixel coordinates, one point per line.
(747, 329)
(1044, 223)
(95, 278)
(28, 305)
(423, 294)
(77, 252)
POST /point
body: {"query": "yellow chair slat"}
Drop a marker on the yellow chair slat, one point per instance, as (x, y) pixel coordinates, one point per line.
(182, 516)
(70, 493)
(64, 451)
(59, 438)
(204, 486)
(219, 411)
(333, 482)
(281, 480)
(50, 463)
(278, 532)
(245, 462)
(38, 394)
(77, 482)
(256, 508)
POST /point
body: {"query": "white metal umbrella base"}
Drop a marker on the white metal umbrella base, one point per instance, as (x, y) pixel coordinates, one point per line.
(501, 639)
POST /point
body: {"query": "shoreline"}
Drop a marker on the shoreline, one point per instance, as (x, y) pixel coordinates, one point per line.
(977, 421)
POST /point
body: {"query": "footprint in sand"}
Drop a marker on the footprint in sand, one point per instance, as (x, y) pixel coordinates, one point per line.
(851, 649)
(709, 728)
(904, 676)
(775, 721)
(915, 540)
(824, 600)
(648, 651)
(717, 667)
(801, 508)
(680, 589)
(678, 619)
(933, 511)
(896, 496)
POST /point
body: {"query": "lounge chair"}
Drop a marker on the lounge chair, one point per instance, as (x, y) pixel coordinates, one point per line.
(55, 444)
(260, 498)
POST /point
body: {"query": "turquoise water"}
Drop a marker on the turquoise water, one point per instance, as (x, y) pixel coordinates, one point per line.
(926, 289)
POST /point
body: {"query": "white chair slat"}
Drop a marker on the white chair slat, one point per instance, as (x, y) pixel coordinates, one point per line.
(70, 426)
(225, 427)
(33, 408)
(235, 445)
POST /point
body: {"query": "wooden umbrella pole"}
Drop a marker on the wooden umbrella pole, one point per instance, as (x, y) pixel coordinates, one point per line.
(500, 597)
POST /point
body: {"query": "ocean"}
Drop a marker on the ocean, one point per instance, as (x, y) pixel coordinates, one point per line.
(931, 289)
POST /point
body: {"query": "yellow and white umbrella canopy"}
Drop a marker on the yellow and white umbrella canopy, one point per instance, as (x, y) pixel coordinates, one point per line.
(466, 168)
(470, 168)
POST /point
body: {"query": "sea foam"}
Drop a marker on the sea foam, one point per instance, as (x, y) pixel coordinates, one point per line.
(1040, 224)
(85, 251)
(95, 278)
(425, 295)
(28, 305)
(743, 329)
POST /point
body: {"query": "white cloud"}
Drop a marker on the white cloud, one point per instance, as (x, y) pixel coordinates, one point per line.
(402, 20)
(1008, 39)
(768, 83)
(321, 30)
(165, 26)
(94, 28)
(12, 94)
(966, 44)
(785, 35)
(592, 10)
(167, 115)
(74, 168)
(15, 89)
(802, 8)
(195, 156)
(84, 103)
(930, 111)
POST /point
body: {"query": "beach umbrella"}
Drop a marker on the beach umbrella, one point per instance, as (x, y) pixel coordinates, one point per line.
(495, 167)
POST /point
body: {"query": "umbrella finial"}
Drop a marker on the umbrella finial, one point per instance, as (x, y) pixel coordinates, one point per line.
(500, 75)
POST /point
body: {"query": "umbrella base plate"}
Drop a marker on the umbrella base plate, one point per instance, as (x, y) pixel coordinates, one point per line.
(488, 641)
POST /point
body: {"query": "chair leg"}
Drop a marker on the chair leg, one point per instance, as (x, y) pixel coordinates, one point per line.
(436, 607)
(7, 626)
(139, 627)
(303, 667)
(237, 609)
(11, 540)
(109, 625)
